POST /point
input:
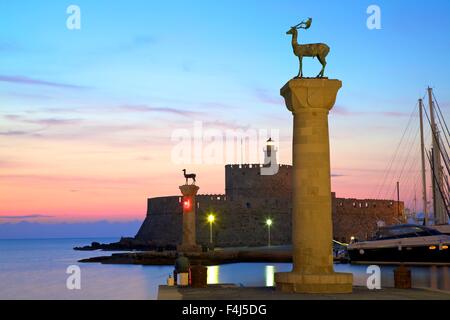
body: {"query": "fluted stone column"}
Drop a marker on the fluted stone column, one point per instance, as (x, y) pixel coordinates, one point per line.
(189, 243)
(310, 101)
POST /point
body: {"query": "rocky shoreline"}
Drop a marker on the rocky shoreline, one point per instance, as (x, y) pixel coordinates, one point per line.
(125, 244)
(145, 253)
(204, 258)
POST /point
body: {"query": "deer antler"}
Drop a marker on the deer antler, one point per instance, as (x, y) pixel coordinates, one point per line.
(304, 24)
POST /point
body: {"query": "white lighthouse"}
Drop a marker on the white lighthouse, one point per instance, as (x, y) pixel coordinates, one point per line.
(270, 154)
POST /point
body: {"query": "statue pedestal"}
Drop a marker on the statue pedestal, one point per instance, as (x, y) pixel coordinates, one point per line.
(189, 211)
(310, 101)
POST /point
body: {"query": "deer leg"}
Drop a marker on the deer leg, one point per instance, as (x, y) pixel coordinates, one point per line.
(324, 63)
(300, 71)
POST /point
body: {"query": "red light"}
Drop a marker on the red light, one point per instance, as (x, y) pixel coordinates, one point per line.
(187, 204)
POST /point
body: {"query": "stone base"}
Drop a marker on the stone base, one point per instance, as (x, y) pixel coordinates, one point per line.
(290, 282)
(189, 248)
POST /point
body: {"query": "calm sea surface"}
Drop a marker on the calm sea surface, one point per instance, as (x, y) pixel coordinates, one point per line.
(36, 269)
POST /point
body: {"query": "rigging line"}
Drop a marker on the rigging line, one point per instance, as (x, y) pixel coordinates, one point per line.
(411, 181)
(442, 126)
(395, 155)
(443, 129)
(439, 189)
(413, 173)
(435, 179)
(380, 188)
(408, 182)
(447, 190)
(409, 143)
(409, 153)
(440, 111)
(411, 191)
(442, 152)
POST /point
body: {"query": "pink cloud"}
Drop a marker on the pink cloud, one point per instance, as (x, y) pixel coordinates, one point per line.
(264, 97)
(145, 108)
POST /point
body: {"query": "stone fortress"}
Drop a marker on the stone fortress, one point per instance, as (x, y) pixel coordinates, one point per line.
(250, 199)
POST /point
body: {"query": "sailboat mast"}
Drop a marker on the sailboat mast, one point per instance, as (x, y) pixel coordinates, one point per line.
(422, 153)
(440, 217)
(398, 199)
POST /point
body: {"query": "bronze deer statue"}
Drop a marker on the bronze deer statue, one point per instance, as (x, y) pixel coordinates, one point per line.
(315, 50)
(189, 176)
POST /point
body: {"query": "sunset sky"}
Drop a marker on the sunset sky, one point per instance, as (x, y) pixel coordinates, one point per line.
(86, 116)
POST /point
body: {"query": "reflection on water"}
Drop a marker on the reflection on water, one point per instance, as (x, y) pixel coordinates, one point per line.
(261, 274)
(245, 273)
(213, 275)
(270, 275)
(432, 277)
(36, 269)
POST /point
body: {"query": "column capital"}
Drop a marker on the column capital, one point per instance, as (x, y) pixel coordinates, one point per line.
(189, 190)
(312, 93)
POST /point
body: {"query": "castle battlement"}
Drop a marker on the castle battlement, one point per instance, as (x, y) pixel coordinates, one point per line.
(253, 166)
(244, 166)
(212, 197)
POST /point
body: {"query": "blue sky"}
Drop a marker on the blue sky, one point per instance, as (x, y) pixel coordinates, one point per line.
(138, 69)
(133, 51)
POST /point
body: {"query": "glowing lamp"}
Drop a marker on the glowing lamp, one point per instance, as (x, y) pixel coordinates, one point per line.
(269, 222)
(432, 247)
(270, 142)
(211, 218)
(187, 204)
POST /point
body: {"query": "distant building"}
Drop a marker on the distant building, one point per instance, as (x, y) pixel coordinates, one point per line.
(250, 198)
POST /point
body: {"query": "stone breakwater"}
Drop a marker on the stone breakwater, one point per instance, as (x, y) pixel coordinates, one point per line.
(204, 258)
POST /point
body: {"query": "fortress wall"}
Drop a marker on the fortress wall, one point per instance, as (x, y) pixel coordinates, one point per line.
(241, 222)
(249, 200)
(360, 218)
(238, 222)
(163, 223)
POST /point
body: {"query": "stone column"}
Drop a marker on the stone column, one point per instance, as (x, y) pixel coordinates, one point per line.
(310, 101)
(189, 243)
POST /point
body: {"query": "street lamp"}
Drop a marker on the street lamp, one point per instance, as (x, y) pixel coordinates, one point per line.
(211, 220)
(269, 223)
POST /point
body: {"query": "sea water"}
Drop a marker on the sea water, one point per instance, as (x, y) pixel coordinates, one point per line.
(36, 269)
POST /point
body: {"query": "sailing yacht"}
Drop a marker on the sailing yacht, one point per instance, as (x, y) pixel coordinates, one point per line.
(406, 243)
(412, 243)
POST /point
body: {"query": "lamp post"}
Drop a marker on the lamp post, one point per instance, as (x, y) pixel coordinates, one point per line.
(211, 220)
(269, 223)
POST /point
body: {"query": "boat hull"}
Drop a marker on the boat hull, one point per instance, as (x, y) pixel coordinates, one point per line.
(394, 255)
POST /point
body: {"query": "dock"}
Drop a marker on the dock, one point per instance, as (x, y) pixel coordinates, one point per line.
(235, 292)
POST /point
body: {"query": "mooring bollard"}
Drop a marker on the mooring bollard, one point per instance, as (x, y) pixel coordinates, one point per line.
(181, 272)
(446, 278)
(199, 276)
(402, 277)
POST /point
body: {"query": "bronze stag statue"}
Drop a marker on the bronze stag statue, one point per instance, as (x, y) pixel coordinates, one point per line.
(315, 50)
(189, 176)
